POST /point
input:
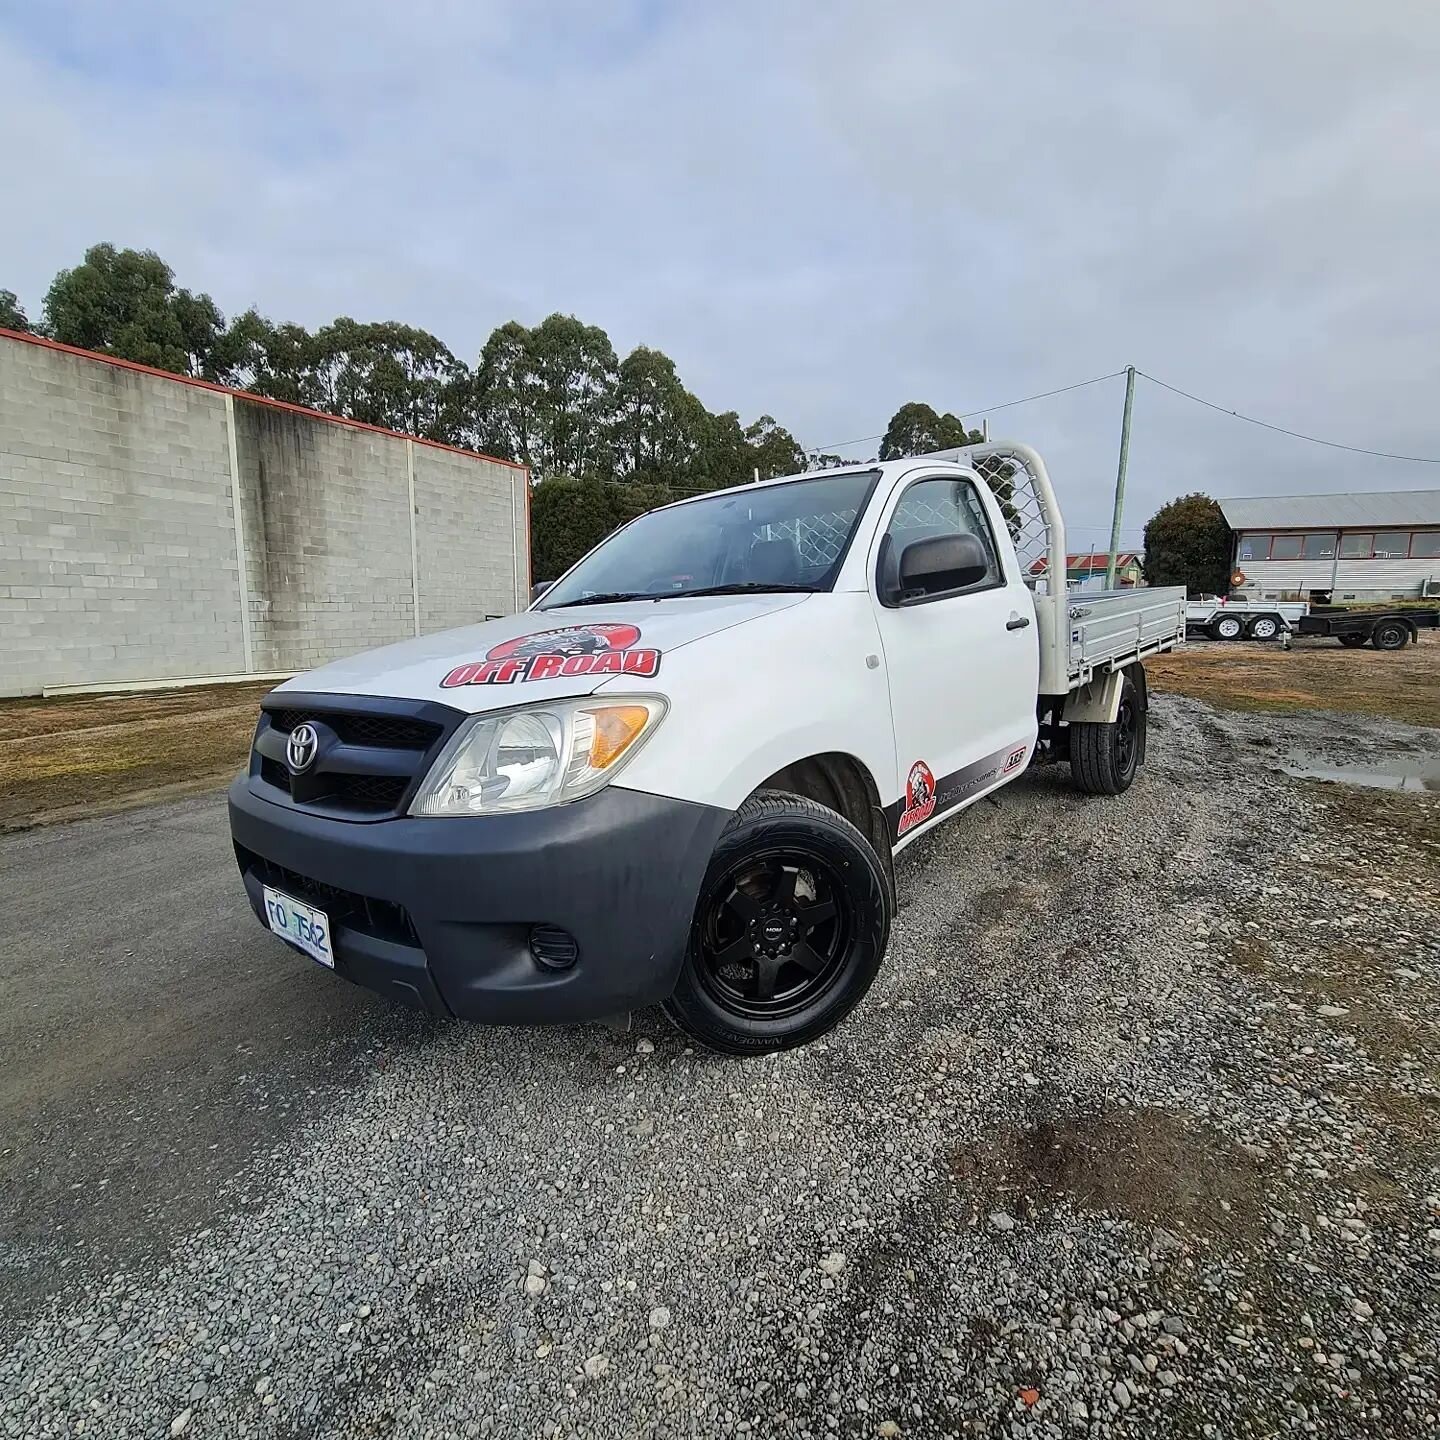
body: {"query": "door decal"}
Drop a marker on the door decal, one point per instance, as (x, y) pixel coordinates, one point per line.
(919, 796)
(925, 796)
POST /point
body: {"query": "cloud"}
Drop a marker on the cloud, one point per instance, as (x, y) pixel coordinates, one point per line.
(820, 211)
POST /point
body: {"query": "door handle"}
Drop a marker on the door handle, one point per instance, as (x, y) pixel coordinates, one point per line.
(1017, 622)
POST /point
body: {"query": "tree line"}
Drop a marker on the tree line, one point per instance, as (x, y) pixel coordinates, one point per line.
(606, 437)
(553, 396)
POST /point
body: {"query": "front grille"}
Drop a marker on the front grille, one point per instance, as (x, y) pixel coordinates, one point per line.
(395, 732)
(369, 793)
(370, 755)
(381, 918)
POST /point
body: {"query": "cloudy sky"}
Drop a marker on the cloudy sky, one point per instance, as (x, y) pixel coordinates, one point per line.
(819, 210)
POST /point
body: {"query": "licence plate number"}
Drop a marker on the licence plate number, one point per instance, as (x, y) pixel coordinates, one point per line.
(301, 925)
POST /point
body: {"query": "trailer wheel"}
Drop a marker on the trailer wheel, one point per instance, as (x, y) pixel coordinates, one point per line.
(1352, 642)
(1264, 627)
(1227, 627)
(1390, 635)
(789, 932)
(1104, 758)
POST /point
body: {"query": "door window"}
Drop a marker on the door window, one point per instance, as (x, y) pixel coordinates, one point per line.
(942, 506)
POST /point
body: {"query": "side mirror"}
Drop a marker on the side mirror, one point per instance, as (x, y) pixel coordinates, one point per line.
(539, 588)
(941, 563)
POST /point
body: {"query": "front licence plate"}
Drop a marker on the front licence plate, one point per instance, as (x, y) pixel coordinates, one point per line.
(301, 925)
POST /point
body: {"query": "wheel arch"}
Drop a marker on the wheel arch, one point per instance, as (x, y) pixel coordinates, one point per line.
(841, 782)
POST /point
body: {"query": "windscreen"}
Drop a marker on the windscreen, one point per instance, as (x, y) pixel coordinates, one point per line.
(791, 536)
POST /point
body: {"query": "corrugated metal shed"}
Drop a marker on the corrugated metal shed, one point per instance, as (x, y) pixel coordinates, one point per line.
(1389, 508)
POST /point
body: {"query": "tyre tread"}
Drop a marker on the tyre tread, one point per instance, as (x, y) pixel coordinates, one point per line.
(1092, 753)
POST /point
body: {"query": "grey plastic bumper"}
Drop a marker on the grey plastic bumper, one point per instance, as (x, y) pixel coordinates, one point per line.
(439, 913)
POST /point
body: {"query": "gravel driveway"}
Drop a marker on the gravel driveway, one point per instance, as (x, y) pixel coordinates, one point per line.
(1134, 1136)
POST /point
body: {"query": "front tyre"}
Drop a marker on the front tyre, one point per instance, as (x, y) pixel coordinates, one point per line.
(1227, 627)
(1105, 757)
(789, 932)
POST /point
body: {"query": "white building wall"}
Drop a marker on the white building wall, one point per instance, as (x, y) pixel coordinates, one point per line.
(1360, 579)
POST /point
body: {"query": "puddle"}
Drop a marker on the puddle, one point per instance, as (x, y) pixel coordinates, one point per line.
(1408, 772)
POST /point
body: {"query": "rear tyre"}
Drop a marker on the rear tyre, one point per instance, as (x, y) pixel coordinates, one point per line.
(1104, 758)
(1352, 642)
(1227, 627)
(1391, 635)
(1264, 627)
(789, 932)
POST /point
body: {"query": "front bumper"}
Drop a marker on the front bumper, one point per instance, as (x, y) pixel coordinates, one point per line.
(438, 913)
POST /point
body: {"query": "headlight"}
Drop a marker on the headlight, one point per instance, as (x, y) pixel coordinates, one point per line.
(542, 755)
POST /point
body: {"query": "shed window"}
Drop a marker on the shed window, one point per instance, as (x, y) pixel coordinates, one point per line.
(1356, 547)
(1426, 545)
(1286, 547)
(1392, 545)
(1319, 547)
(1254, 547)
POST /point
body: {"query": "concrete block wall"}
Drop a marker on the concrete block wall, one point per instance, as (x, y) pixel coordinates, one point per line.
(471, 538)
(120, 558)
(117, 546)
(327, 537)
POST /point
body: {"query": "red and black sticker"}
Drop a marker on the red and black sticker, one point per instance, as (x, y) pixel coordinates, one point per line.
(919, 796)
(555, 654)
(925, 796)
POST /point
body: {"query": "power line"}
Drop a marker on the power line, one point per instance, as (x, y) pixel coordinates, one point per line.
(1294, 434)
(1044, 395)
(988, 409)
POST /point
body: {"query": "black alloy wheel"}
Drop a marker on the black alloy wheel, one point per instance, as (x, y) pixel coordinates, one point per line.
(773, 930)
(789, 930)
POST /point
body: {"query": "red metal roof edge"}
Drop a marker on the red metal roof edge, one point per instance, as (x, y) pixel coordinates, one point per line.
(48, 344)
(1088, 560)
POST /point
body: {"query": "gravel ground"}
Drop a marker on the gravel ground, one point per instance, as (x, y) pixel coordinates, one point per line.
(1134, 1136)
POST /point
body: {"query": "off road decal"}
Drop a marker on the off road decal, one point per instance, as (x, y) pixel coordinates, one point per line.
(916, 806)
(919, 797)
(552, 654)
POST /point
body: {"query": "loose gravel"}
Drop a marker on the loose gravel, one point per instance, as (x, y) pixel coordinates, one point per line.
(1137, 1135)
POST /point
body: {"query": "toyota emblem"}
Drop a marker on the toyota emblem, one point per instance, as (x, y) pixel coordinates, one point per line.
(300, 749)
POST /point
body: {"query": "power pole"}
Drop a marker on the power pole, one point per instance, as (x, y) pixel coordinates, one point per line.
(1120, 477)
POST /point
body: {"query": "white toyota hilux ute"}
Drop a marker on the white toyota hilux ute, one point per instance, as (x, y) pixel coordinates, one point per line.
(681, 777)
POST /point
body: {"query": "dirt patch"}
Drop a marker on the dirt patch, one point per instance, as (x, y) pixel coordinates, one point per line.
(1402, 833)
(1313, 675)
(1147, 1165)
(94, 754)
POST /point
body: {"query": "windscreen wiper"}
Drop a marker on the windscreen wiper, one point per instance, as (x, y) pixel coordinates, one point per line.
(606, 597)
(744, 587)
